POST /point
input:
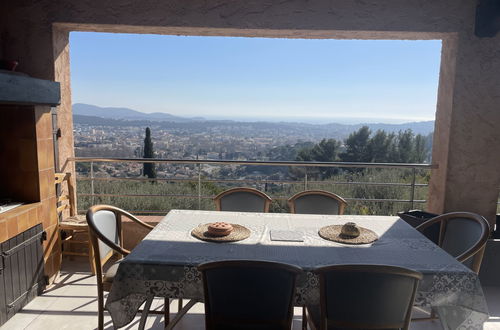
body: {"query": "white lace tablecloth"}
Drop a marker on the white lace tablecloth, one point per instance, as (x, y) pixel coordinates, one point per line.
(164, 263)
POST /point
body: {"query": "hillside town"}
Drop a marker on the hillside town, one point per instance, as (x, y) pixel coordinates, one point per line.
(213, 140)
(214, 143)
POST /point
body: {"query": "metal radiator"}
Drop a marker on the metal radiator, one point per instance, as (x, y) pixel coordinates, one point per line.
(21, 271)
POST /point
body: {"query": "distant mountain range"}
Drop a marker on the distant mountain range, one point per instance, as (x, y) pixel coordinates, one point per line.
(83, 109)
(93, 115)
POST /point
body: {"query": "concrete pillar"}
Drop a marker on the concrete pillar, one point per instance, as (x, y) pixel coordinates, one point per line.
(60, 38)
(467, 133)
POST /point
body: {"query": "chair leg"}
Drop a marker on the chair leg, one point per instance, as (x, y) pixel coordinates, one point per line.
(145, 313)
(100, 306)
(68, 246)
(166, 311)
(91, 259)
(180, 305)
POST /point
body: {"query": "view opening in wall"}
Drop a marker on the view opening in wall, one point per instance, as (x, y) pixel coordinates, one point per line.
(254, 99)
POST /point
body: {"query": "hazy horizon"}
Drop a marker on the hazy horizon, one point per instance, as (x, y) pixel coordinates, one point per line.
(318, 120)
(296, 119)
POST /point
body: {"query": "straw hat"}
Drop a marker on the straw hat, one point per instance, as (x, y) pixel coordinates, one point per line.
(238, 233)
(348, 233)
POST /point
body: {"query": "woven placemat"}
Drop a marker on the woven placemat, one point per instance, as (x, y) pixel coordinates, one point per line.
(332, 233)
(239, 233)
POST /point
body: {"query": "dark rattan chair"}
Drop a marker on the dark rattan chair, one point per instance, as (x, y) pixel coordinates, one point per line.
(463, 235)
(316, 202)
(364, 297)
(105, 233)
(244, 294)
(242, 200)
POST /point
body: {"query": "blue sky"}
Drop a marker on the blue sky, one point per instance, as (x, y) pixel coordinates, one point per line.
(257, 78)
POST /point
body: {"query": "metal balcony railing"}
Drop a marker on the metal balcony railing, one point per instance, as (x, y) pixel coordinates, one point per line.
(197, 179)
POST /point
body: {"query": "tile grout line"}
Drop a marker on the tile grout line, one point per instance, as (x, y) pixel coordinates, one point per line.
(64, 289)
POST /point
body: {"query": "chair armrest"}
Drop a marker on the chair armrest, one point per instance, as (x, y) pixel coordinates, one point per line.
(120, 250)
(485, 230)
(423, 226)
(135, 219)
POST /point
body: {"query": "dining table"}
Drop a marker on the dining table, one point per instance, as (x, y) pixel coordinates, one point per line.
(164, 263)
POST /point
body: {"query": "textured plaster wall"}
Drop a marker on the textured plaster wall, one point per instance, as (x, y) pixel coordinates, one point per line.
(442, 126)
(30, 23)
(294, 15)
(64, 113)
(468, 129)
(466, 142)
(3, 25)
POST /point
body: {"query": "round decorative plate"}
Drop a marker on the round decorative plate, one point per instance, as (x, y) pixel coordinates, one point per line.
(333, 233)
(239, 233)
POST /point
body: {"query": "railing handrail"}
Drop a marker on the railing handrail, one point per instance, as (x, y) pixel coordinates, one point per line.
(303, 164)
(252, 162)
(271, 181)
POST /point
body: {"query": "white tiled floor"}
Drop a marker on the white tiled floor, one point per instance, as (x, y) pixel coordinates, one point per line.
(71, 304)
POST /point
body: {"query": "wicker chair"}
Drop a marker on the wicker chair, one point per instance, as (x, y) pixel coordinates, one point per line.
(364, 297)
(241, 294)
(463, 235)
(242, 200)
(316, 202)
(105, 230)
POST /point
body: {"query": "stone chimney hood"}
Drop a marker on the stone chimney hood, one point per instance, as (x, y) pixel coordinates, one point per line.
(17, 88)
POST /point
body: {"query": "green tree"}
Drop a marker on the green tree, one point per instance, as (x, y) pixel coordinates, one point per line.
(420, 150)
(149, 168)
(393, 153)
(357, 146)
(379, 147)
(406, 147)
(305, 155)
(324, 151)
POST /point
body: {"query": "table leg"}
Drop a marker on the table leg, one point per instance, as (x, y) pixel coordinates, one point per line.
(145, 312)
(180, 314)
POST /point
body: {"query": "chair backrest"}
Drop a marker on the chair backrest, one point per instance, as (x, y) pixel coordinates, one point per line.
(366, 296)
(105, 233)
(248, 294)
(242, 200)
(65, 201)
(463, 235)
(316, 202)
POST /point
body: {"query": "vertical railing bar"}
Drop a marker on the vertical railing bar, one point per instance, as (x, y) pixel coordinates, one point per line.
(199, 186)
(305, 178)
(92, 183)
(412, 197)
